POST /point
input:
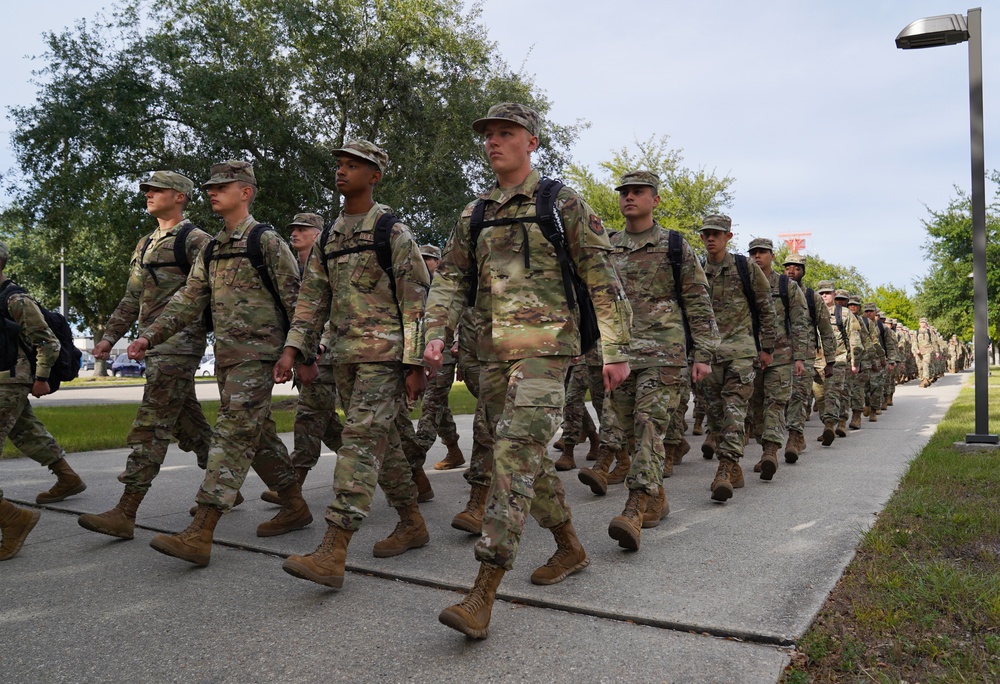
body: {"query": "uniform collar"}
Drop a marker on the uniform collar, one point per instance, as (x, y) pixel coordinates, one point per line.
(647, 238)
(367, 224)
(525, 189)
(239, 231)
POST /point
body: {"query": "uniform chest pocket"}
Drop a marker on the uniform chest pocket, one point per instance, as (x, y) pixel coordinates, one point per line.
(649, 273)
(366, 272)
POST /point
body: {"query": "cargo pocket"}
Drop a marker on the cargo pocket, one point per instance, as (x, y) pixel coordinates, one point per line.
(537, 410)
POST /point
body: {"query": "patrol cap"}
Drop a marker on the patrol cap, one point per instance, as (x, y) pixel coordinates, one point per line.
(854, 299)
(841, 294)
(870, 306)
(364, 149)
(717, 222)
(761, 243)
(3, 252)
(509, 111)
(795, 260)
(923, 320)
(824, 286)
(168, 179)
(639, 178)
(230, 171)
(307, 221)
(430, 251)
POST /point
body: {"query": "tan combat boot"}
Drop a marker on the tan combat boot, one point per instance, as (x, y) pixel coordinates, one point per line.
(670, 452)
(595, 443)
(410, 533)
(568, 558)
(873, 418)
(119, 521)
(325, 565)
(195, 543)
(472, 615)
(722, 486)
(67, 483)
(454, 459)
(708, 448)
(866, 411)
(794, 446)
(16, 524)
(471, 519)
(424, 490)
(626, 528)
(567, 461)
(828, 435)
(698, 420)
(271, 496)
(622, 466)
(685, 448)
(855, 420)
(657, 508)
(841, 429)
(769, 461)
(294, 513)
(239, 499)
(597, 477)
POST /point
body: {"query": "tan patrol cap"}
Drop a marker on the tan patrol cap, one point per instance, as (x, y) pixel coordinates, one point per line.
(430, 251)
(307, 221)
(761, 243)
(639, 178)
(842, 294)
(854, 299)
(169, 180)
(717, 222)
(795, 259)
(520, 114)
(367, 150)
(825, 286)
(870, 306)
(231, 171)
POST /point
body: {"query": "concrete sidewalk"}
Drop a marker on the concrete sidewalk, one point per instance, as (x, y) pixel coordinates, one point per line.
(713, 595)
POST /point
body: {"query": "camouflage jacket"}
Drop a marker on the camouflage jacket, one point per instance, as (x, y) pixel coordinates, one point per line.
(789, 348)
(732, 311)
(248, 325)
(827, 348)
(353, 292)
(871, 329)
(849, 347)
(520, 301)
(658, 339)
(34, 333)
(924, 341)
(891, 345)
(147, 295)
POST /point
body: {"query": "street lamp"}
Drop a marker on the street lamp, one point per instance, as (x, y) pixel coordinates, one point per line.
(951, 29)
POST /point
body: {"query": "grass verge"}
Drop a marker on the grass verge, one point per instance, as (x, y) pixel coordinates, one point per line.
(920, 602)
(105, 426)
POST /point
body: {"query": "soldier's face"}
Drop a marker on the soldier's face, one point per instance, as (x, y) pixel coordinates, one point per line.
(637, 201)
(715, 242)
(355, 175)
(827, 298)
(163, 201)
(763, 257)
(303, 237)
(226, 197)
(432, 264)
(794, 271)
(508, 146)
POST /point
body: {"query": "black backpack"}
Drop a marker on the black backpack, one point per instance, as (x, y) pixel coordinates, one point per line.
(675, 250)
(743, 268)
(180, 253)
(67, 365)
(811, 303)
(256, 257)
(381, 245)
(839, 319)
(549, 220)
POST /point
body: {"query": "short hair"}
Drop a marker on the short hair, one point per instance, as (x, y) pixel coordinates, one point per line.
(253, 189)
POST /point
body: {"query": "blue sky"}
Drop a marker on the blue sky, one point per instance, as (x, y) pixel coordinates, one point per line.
(824, 124)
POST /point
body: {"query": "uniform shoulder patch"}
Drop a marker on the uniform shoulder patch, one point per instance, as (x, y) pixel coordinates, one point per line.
(596, 225)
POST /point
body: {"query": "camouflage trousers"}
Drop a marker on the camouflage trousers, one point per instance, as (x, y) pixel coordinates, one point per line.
(524, 401)
(829, 392)
(801, 397)
(480, 471)
(169, 408)
(678, 424)
(435, 419)
(858, 383)
(316, 419)
(371, 394)
(244, 435)
(727, 391)
(645, 404)
(926, 373)
(19, 423)
(576, 417)
(772, 389)
(875, 388)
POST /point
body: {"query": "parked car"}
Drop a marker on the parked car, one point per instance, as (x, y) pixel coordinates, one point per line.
(87, 361)
(207, 367)
(123, 366)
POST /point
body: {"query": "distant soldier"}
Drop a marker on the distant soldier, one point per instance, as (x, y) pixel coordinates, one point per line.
(773, 385)
(316, 419)
(924, 352)
(742, 351)
(249, 330)
(831, 392)
(376, 319)
(859, 381)
(876, 381)
(528, 336)
(24, 320)
(160, 266)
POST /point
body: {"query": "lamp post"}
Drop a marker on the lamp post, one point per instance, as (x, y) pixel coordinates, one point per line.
(951, 29)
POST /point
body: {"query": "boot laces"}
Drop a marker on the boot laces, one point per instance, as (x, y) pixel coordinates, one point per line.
(632, 505)
(326, 546)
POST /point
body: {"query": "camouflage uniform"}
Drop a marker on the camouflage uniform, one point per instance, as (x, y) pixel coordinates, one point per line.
(728, 389)
(831, 392)
(480, 470)
(169, 403)
(923, 350)
(527, 338)
(658, 355)
(248, 341)
(859, 381)
(369, 349)
(876, 379)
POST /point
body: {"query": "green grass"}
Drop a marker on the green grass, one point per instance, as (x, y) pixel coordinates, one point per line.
(921, 600)
(96, 427)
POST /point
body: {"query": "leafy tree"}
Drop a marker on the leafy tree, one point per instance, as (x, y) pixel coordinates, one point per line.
(181, 84)
(845, 277)
(896, 303)
(685, 195)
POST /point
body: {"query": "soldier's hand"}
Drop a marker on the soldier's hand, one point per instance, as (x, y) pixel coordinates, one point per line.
(454, 349)
(137, 350)
(307, 373)
(800, 369)
(828, 371)
(854, 370)
(40, 388)
(433, 354)
(416, 381)
(283, 368)
(615, 374)
(101, 350)
(700, 371)
(765, 359)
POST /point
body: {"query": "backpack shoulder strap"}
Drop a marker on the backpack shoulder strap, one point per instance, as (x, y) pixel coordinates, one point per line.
(783, 293)
(475, 228)
(675, 251)
(550, 222)
(256, 256)
(180, 248)
(743, 268)
(383, 250)
(8, 290)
